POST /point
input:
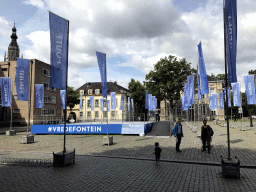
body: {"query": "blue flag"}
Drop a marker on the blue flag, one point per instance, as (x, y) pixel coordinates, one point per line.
(92, 102)
(198, 85)
(229, 101)
(146, 99)
(22, 79)
(156, 102)
(221, 100)
(132, 104)
(101, 104)
(59, 28)
(236, 94)
(184, 107)
(39, 89)
(203, 75)
(63, 98)
(186, 96)
(190, 82)
(214, 101)
(101, 57)
(122, 103)
(113, 100)
(81, 102)
(6, 91)
(250, 89)
(153, 103)
(150, 102)
(128, 103)
(231, 38)
(108, 105)
(210, 103)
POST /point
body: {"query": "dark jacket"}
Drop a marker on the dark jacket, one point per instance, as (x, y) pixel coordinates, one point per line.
(206, 133)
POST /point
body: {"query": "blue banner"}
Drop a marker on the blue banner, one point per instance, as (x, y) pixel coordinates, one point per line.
(101, 57)
(250, 89)
(128, 103)
(236, 94)
(210, 103)
(203, 75)
(101, 104)
(92, 102)
(63, 98)
(6, 91)
(146, 99)
(150, 102)
(229, 100)
(214, 101)
(132, 104)
(198, 85)
(153, 103)
(156, 102)
(59, 28)
(221, 100)
(81, 102)
(186, 96)
(190, 82)
(39, 89)
(108, 105)
(113, 100)
(231, 38)
(122, 103)
(22, 79)
(184, 107)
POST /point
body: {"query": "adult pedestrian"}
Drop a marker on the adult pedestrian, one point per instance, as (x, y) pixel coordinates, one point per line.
(178, 133)
(206, 135)
(157, 112)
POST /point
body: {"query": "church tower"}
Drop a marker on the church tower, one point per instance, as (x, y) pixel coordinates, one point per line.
(13, 49)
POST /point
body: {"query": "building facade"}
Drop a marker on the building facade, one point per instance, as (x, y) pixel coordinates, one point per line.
(94, 89)
(23, 112)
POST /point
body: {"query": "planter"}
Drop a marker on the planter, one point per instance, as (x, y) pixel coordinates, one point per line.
(27, 139)
(62, 159)
(11, 132)
(230, 168)
(107, 140)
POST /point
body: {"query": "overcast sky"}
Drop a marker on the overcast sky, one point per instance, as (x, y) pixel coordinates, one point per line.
(134, 34)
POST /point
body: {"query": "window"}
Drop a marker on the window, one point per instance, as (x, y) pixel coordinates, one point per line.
(89, 115)
(46, 72)
(52, 112)
(53, 100)
(116, 103)
(46, 99)
(48, 112)
(202, 96)
(97, 91)
(96, 114)
(97, 103)
(178, 110)
(104, 103)
(46, 86)
(81, 92)
(90, 91)
(112, 114)
(52, 89)
(203, 110)
(16, 111)
(213, 112)
(81, 114)
(88, 103)
(105, 114)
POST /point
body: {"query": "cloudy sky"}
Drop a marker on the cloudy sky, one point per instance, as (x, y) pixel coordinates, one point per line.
(134, 34)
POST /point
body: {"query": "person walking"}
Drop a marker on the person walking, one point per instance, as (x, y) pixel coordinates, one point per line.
(157, 112)
(157, 152)
(206, 136)
(178, 133)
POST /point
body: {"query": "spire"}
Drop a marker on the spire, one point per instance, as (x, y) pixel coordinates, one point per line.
(5, 56)
(13, 49)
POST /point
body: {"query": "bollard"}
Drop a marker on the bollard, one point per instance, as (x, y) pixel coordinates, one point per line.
(251, 125)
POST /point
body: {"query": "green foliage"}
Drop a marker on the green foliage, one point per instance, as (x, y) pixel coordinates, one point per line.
(221, 77)
(73, 97)
(168, 77)
(138, 93)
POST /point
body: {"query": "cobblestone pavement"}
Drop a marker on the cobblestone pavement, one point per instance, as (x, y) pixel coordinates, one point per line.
(105, 174)
(242, 145)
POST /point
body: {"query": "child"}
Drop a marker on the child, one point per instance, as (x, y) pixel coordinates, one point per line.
(158, 152)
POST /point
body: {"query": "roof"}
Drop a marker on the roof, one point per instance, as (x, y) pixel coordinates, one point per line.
(111, 87)
(212, 78)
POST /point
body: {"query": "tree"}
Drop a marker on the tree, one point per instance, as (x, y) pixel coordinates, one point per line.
(221, 77)
(138, 93)
(167, 79)
(72, 97)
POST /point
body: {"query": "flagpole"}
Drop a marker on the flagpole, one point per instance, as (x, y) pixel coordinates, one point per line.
(226, 83)
(65, 111)
(29, 98)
